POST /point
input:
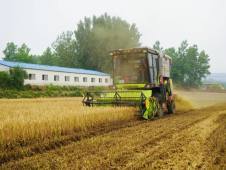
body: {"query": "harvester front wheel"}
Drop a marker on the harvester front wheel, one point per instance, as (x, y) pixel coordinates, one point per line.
(158, 97)
(160, 112)
(171, 107)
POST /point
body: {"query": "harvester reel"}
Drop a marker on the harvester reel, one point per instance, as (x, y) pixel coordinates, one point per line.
(149, 106)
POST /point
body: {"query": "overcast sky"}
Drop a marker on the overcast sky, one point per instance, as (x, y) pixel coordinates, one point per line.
(38, 22)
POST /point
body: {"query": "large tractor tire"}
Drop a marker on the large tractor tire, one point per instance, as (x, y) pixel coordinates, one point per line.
(160, 112)
(171, 107)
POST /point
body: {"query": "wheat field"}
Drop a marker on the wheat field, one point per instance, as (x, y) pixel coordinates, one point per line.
(60, 133)
(26, 120)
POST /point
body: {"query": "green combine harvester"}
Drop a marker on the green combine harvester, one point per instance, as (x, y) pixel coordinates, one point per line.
(141, 78)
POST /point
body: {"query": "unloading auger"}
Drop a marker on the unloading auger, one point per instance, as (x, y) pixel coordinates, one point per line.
(141, 78)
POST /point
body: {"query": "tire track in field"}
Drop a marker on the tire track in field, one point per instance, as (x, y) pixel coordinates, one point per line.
(183, 150)
(151, 145)
(216, 146)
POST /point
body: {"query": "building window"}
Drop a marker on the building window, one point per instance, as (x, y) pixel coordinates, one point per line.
(106, 80)
(67, 78)
(84, 79)
(31, 76)
(100, 80)
(44, 77)
(76, 79)
(56, 78)
(92, 80)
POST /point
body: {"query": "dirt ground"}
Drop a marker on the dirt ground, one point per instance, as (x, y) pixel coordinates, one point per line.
(194, 139)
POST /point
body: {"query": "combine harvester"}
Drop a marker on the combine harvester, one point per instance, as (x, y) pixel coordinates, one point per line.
(141, 78)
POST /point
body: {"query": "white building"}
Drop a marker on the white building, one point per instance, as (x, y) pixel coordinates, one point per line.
(62, 76)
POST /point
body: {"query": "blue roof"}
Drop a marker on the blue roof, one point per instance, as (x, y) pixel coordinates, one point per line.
(51, 68)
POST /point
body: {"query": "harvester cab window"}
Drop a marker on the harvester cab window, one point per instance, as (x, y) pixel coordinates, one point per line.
(164, 66)
(153, 65)
(130, 68)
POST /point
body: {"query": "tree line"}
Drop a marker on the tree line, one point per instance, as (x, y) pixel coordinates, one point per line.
(88, 47)
(189, 66)
(14, 79)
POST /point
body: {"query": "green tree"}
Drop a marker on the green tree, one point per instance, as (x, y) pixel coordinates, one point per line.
(157, 46)
(65, 50)
(97, 36)
(35, 59)
(17, 76)
(176, 70)
(4, 79)
(21, 54)
(10, 51)
(203, 65)
(48, 57)
(13, 79)
(189, 65)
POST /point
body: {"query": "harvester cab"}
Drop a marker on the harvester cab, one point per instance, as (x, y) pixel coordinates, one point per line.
(141, 77)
